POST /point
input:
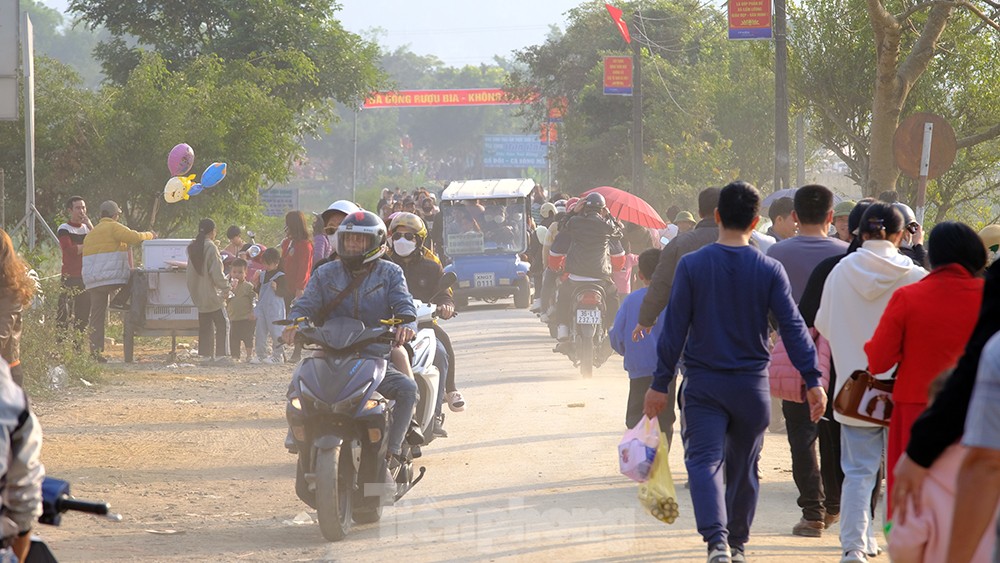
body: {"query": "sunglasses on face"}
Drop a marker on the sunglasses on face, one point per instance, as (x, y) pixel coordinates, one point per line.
(407, 236)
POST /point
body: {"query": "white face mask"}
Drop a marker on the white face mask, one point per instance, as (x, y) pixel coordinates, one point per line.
(403, 247)
(332, 239)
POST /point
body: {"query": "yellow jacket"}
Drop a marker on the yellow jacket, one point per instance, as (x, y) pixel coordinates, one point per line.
(105, 253)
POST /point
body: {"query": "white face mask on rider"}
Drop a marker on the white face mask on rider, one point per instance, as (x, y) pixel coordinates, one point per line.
(403, 247)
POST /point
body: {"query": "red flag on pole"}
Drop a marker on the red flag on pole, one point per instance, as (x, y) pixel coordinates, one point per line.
(616, 15)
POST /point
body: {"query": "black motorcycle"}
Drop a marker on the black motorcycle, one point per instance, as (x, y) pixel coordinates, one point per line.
(339, 423)
(56, 500)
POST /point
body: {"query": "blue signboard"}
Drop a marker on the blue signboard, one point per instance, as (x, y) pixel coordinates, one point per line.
(514, 151)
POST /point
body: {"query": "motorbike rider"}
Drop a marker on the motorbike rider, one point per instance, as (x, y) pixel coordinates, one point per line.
(589, 246)
(423, 272)
(332, 218)
(380, 293)
(20, 469)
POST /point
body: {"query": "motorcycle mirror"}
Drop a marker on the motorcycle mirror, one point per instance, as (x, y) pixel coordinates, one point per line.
(541, 233)
(445, 283)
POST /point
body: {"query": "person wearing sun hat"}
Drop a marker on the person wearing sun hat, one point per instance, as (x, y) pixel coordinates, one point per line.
(841, 215)
(684, 221)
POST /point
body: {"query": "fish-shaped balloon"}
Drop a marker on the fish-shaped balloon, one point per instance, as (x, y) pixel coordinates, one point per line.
(213, 174)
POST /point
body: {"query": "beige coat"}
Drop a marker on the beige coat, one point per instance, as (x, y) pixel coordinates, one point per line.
(205, 288)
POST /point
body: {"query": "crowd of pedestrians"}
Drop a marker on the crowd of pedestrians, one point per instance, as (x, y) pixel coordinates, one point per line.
(830, 289)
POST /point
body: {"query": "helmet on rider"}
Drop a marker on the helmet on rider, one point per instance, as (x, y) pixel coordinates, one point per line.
(342, 206)
(407, 232)
(360, 239)
(593, 202)
(548, 209)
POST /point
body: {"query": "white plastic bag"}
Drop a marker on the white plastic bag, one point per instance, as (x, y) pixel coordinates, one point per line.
(637, 450)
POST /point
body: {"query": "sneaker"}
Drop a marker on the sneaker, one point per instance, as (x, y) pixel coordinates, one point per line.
(439, 431)
(830, 520)
(854, 556)
(719, 553)
(536, 305)
(271, 361)
(415, 452)
(254, 360)
(808, 528)
(456, 402)
(564, 347)
(738, 555)
(222, 361)
(878, 551)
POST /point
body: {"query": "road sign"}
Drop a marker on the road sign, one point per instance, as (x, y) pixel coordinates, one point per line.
(907, 145)
(514, 151)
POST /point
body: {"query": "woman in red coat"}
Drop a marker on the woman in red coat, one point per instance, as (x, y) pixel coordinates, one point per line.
(925, 327)
(296, 254)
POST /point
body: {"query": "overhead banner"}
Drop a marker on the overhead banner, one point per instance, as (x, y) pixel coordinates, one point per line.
(442, 98)
(750, 19)
(514, 151)
(618, 76)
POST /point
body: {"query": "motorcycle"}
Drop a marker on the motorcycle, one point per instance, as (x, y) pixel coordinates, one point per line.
(339, 423)
(424, 347)
(56, 500)
(587, 331)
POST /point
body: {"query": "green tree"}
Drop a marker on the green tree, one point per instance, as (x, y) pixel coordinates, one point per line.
(705, 100)
(949, 70)
(69, 44)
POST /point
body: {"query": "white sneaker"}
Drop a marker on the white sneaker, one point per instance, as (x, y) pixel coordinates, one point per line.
(271, 361)
(254, 360)
(536, 305)
(854, 556)
(562, 333)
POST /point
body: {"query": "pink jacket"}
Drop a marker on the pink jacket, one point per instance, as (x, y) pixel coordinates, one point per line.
(924, 538)
(786, 383)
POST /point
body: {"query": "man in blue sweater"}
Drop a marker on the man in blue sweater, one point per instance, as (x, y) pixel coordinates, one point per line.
(718, 317)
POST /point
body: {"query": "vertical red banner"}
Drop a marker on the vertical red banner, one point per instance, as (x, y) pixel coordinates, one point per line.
(750, 19)
(618, 76)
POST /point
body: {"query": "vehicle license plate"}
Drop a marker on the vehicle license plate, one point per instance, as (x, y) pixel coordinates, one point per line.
(588, 316)
(485, 280)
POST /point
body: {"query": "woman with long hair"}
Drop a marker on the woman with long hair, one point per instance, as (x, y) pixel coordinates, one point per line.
(855, 294)
(296, 254)
(205, 281)
(925, 328)
(16, 291)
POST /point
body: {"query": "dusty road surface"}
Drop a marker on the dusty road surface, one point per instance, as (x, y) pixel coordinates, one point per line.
(193, 458)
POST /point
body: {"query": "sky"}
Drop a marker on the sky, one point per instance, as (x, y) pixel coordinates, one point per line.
(459, 32)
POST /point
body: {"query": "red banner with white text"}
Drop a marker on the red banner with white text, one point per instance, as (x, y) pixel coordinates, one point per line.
(442, 98)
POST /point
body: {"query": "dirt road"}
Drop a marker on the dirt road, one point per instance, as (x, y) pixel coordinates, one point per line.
(193, 459)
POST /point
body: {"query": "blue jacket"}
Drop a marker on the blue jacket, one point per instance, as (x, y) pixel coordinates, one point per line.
(640, 357)
(381, 295)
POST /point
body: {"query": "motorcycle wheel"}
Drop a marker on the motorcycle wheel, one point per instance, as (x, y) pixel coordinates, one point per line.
(585, 355)
(334, 488)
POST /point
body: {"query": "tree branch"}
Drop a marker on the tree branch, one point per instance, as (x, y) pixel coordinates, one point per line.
(971, 140)
(980, 14)
(923, 49)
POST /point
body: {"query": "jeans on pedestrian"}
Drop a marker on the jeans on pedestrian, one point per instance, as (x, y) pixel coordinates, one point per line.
(99, 299)
(861, 457)
(724, 419)
(637, 387)
(213, 334)
(403, 390)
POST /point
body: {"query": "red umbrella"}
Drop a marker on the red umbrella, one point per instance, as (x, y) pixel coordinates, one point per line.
(629, 207)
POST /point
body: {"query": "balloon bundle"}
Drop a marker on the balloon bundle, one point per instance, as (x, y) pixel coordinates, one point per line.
(181, 187)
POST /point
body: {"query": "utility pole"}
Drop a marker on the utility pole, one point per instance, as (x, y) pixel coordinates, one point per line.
(781, 142)
(637, 161)
(354, 173)
(800, 150)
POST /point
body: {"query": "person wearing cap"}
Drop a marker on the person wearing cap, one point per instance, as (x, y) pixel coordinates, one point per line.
(107, 264)
(840, 214)
(685, 222)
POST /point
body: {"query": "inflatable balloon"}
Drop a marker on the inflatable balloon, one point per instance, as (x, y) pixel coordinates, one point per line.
(187, 182)
(174, 190)
(213, 174)
(181, 159)
(195, 189)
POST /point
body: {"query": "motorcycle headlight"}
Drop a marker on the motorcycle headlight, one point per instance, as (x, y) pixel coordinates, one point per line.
(296, 403)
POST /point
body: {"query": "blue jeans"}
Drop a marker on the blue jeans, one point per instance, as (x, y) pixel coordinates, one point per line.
(724, 417)
(861, 451)
(398, 387)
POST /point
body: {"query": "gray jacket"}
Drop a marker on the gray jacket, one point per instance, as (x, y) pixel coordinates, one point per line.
(20, 446)
(205, 287)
